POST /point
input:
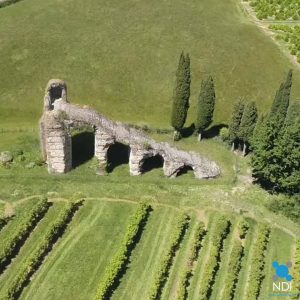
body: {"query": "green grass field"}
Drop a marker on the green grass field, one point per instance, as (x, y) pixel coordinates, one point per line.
(121, 58)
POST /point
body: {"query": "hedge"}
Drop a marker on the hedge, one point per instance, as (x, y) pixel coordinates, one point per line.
(166, 262)
(120, 259)
(258, 262)
(219, 234)
(296, 272)
(32, 262)
(187, 271)
(234, 267)
(12, 242)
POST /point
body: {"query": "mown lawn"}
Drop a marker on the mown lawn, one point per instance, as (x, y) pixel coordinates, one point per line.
(121, 58)
(75, 266)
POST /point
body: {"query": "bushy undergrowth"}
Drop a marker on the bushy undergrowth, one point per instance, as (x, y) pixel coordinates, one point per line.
(290, 35)
(120, 259)
(290, 207)
(234, 267)
(258, 262)
(11, 242)
(277, 9)
(166, 262)
(193, 254)
(297, 270)
(212, 265)
(33, 261)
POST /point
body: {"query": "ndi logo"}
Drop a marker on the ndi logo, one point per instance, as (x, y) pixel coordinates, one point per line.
(282, 278)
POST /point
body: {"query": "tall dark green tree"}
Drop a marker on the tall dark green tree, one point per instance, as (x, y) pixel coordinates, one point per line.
(234, 125)
(206, 106)
(181, 95)
(285, 169)
(267, 159)
(282, 100)
(247, 125)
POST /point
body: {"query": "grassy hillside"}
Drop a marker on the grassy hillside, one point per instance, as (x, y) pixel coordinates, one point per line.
(121, 57)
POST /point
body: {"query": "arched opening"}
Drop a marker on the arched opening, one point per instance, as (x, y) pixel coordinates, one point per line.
(117, 155)
(152, 163)
(83, 147)
(185, 170)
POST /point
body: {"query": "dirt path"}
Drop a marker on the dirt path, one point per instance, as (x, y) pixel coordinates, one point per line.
(264, 26)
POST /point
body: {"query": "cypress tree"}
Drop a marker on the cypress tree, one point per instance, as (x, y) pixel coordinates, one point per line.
(181, 95)
(247, 125)
(206, 106)
(282, 100)
(234, 124)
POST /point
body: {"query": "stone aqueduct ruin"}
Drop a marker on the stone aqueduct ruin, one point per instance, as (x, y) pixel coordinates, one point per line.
(60, 118)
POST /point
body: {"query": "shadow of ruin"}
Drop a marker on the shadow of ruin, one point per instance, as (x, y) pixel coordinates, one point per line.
(109, 139)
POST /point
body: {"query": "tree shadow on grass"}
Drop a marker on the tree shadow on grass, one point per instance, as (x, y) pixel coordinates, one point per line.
(213, 131)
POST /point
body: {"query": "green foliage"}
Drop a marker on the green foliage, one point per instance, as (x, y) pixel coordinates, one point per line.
(289, 207)
(34, 260)
(11, 242)
(212, 265)
(206, 105)
(277, 9)
(248, 122)
(296, 273)
(236, 118)
(282, 100)
(276, 144)
(224, 134)
(258, 262)
(165, 264)
(234, 267)
(121, 257)
(187, 271)
(243, 228)
(181, 93)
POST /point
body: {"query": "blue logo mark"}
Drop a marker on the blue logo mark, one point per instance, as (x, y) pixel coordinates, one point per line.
(282, 271)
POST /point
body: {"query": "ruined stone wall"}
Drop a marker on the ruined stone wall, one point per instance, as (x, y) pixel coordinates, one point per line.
(59, 116)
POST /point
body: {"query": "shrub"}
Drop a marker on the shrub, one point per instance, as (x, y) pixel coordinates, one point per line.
(12, 242)
(120, 259)
(224, 134)
(34, 260)
(296, 272)
(219, 234)
(243, 228)
(187, 271)
(166, 262)
(258, 262)
(234, 267)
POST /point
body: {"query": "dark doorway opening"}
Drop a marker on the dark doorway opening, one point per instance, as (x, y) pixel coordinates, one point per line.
(83, 147)
(55, 93)
(117, 154)
(185, 170)
(151, 163)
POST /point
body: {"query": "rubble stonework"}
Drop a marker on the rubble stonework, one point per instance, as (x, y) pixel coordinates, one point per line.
(60, 117)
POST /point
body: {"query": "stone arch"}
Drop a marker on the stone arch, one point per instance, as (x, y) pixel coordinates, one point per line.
(152, 162)
(82, 144)
(117, 155)
(184, 170)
